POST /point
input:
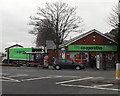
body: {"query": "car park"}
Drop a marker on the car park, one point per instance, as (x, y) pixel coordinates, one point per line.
(67, 64)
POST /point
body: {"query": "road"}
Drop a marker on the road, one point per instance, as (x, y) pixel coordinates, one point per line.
(35, 80)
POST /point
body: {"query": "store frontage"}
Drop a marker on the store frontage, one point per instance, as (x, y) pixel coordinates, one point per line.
(93, 49)
(94, 55)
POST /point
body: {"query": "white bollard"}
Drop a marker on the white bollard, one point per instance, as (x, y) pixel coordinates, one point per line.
(118, 71)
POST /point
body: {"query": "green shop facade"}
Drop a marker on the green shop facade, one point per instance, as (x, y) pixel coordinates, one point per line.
(93, 49)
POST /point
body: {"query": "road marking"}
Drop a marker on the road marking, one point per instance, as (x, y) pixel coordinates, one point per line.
(10, 79)
(103, 85)
(110, 89)
(36, 78)
(18, 75)
(63, 76)
(74, 80)
(4, 80)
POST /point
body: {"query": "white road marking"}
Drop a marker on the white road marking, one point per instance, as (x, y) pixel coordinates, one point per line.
(10, 79)
(18, 75)
(4, 80)
(74, 80)
(63, 76)
(103, 85)
(110, 89)
(31, 79)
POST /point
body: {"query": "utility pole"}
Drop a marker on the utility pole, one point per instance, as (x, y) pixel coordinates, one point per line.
(118, 17)
(118, 39)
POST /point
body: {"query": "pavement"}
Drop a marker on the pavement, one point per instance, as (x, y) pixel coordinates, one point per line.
(104, 80)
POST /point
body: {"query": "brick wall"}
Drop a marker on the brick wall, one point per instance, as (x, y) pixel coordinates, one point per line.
(92, 39)
(89, 40)
(51, 54)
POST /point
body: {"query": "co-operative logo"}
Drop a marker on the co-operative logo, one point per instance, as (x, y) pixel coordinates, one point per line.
(88, 48)
(20, 51)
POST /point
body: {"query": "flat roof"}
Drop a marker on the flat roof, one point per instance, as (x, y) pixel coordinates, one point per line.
(35, 53)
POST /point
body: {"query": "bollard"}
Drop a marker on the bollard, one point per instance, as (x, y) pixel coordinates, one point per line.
(118, 71)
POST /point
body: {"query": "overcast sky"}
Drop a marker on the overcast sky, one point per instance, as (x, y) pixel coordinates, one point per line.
(15, 14)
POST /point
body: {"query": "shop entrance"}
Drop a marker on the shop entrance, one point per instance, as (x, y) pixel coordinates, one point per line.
(99, 60)
(96, 59)
(92, 59)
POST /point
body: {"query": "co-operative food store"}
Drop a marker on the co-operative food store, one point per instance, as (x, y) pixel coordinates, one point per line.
(93, 48)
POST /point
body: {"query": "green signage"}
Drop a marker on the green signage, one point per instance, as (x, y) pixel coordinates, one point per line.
(18, 53)
(92, 48)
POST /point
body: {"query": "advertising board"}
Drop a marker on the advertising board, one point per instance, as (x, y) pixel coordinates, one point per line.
(19, 53)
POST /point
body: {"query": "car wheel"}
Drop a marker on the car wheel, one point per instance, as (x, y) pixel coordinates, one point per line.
(57, 67)
(78, 68)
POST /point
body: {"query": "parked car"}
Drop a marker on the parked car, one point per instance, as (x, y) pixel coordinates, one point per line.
(67, 64)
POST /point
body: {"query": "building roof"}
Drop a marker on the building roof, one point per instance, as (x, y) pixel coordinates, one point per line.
(50, 44)
(112, 33)
(34, 53)
(86, 34)
(16, 45)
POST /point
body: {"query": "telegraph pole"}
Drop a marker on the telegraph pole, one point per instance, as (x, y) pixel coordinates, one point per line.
(118, 35)
(118, 40)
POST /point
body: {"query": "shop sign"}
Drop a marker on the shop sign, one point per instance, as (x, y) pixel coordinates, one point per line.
(92, 48)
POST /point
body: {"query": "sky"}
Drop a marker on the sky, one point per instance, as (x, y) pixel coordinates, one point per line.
(14, 17)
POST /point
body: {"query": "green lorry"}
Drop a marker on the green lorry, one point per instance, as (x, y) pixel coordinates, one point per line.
(28, 56)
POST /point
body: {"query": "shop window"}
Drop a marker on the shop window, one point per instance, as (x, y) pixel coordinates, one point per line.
(80, 57)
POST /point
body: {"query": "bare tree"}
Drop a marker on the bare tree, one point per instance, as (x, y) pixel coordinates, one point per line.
(61, 18)
(41, 31)
(114, 20)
